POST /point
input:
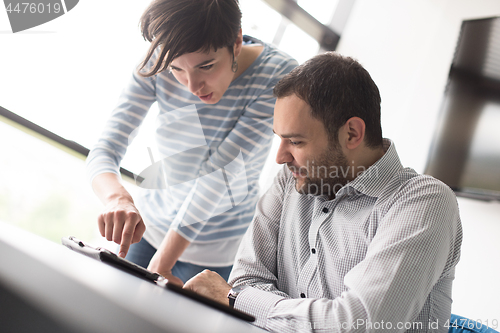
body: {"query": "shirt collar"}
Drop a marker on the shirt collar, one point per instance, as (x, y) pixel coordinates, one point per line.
(374, 179)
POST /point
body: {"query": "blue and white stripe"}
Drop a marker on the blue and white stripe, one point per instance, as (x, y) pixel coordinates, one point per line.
(196, 142)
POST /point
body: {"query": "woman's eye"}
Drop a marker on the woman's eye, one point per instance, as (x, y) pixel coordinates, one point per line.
(174, 69)
(206, 67)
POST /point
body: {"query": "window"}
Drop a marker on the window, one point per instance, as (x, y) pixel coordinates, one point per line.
(66, 76)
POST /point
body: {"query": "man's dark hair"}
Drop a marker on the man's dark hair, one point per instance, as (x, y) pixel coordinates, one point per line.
(178, 27)
(336, 88)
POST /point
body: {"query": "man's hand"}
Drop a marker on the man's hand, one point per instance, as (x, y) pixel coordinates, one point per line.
(211, 285)
(121, 223)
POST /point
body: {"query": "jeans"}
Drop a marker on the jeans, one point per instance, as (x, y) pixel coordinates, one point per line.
(142, 252)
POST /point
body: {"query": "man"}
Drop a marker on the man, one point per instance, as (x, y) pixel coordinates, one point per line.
(346, 239)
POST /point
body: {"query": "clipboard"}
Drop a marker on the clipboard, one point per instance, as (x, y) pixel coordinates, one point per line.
(112, 259)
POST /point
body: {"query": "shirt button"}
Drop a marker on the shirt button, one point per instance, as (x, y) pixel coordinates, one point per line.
(325, 210)
(303, 295)
(313, 251)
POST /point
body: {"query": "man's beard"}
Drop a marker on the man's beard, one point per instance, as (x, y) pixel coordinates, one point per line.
(325, 175)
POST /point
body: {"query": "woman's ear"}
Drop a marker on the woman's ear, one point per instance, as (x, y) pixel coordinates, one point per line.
(355, 132)
(238, 44)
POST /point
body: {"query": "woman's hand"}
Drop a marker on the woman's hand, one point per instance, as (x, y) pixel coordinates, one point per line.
(170, 249)
(121, 223)
(156, 266)
(120, 220)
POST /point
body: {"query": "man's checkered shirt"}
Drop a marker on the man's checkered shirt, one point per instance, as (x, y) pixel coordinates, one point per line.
(381, 256)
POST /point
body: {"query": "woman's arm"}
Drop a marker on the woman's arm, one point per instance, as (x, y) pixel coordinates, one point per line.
(120, 220)
(170, 249)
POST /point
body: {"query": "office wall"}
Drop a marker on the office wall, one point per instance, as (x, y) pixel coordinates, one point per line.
(408, 47)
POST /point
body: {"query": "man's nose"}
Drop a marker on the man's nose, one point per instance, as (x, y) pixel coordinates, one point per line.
(283, 155)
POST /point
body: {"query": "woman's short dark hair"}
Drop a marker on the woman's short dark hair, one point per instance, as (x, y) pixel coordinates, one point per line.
(178, 27)
(336, 88)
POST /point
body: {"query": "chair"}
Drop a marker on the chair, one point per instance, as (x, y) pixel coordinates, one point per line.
(460, 324)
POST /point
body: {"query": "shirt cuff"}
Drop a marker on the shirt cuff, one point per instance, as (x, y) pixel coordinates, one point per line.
(257, 303)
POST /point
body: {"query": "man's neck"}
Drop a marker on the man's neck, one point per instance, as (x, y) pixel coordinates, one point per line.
(364, 158)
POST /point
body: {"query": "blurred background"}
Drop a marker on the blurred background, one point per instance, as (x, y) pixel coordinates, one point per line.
(66, 76)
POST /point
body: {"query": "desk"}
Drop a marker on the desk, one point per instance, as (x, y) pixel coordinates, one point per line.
(45, 287)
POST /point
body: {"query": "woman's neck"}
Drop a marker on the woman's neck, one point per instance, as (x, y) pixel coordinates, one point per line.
(246, 58)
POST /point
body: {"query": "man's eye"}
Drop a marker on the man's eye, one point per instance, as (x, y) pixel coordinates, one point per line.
(295, 143)
(206, 67)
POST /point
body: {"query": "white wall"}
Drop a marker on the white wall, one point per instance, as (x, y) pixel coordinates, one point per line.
(407, 46)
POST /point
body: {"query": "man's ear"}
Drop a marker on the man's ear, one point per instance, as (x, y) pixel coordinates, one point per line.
(354, 131)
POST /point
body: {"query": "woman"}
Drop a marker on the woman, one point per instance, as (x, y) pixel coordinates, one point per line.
(214, 91)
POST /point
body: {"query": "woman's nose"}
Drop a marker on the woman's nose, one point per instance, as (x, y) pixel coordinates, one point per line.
(194, 83)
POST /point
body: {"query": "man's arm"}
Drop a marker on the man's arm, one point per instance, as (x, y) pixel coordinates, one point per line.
(408, 255)
(250, 267)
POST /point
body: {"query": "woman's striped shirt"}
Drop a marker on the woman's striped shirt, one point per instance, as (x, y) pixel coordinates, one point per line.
(203, 179)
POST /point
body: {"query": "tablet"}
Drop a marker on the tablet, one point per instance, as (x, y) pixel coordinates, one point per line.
(112, 259)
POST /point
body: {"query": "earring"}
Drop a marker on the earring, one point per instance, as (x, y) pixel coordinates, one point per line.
(234, 67)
